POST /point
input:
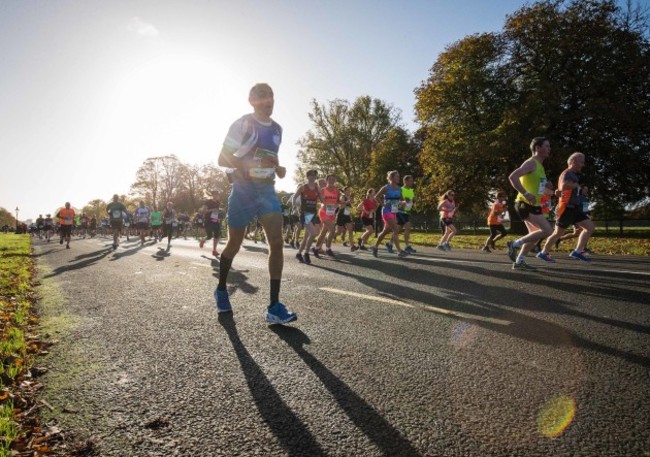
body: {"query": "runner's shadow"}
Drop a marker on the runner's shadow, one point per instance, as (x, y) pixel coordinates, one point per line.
(84, 263)
(161, 254)
(126, 253)
(237, 280)
(43, 253)
(253, 248)
(294, 437)
(386, 437)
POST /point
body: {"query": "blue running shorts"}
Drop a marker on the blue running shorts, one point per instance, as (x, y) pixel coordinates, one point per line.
(249, 199)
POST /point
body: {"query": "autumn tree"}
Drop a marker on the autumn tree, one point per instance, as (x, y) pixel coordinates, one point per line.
(343, 136)
(577, 72)
(158, 180)
(397, 151)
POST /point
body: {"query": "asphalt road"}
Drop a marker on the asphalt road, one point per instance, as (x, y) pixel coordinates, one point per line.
(438, 354)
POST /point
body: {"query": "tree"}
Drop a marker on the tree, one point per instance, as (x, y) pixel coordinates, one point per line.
(577, 72)
(343, 137)
(397, 151)
(95, 208)
(158, 180)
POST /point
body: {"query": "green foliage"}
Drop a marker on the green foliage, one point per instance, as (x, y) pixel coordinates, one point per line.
(343, 138)
(6, 218)
(577, 72)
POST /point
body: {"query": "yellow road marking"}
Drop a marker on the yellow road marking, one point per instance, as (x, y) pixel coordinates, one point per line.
(422, 306)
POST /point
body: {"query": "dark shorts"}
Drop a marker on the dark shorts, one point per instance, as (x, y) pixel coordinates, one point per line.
(446, 221)
(116, 224)
(524, 210)
(570, 216)
(342, 220)
(213, 229)
(403, 218)
(366, 221)
(142, 226)
(499, 228)
(66, 230)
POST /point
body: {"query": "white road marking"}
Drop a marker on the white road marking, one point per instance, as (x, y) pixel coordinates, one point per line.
(421, 306)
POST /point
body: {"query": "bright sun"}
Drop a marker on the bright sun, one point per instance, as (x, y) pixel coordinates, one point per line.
(176, 104)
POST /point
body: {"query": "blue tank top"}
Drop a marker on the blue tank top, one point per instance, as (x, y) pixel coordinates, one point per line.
(392, 198)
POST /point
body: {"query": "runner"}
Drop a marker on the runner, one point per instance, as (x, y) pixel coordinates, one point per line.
(212, 222)
(169, 222)
(40, 224)
(251, 151)
(404, 215)
(183, 224)
(344, 222)
(584, 203)
(66, 220)
(495, 221)
(296, 202)
(309, 194)
(48, 227)
(393, 200)
(327, 216)
(115, 211)
(447, 208)
(156, 225)
(142, 220)
(367, 208)
(570, 211)
(529, 180)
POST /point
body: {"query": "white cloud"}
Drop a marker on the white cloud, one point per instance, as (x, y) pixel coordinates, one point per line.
(140, 27)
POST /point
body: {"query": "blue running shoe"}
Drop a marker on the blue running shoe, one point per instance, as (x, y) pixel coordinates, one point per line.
(545, 257)
(512, 250)
(389, 247)
(579, 256)
(374, 251)
(277, 313)
(410, 250)
(307, 258)
(223, 301)
(441, 247)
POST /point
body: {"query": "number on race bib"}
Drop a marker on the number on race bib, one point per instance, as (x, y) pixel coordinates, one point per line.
(330, 210)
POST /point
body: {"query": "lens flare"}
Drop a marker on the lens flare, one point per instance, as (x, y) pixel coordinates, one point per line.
(556, 415)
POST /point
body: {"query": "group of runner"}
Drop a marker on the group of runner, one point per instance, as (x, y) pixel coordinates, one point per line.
(323, 211)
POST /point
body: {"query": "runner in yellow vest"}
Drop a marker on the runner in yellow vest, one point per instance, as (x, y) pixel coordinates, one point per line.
(529, 180)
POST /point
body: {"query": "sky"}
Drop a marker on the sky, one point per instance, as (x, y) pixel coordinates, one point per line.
(90, 89)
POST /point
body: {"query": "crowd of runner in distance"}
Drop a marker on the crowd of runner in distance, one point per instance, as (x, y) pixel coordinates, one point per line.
(144, 223)
(320, 211)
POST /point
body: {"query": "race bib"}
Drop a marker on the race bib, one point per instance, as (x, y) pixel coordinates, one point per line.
(170, 221)
(174, 224)
(67, 220)
(585, 207)
(499, 219)
(346, 211)
(214, 216)
(542, 186)
(117, 214)
(309, 217)
(286, 212)
(394, 206)
(409, 205)
(261, 173)
(330, 210)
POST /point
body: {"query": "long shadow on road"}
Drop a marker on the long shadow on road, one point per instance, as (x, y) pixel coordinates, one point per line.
(89, 259)
(292, 434)
(388, 439)
(466, 296)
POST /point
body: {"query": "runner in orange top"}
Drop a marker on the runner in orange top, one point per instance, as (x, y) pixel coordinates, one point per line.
(66, 219)
(495, 221)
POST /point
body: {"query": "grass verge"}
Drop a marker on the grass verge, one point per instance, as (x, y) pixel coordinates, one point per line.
(19, 346)
(599, 245)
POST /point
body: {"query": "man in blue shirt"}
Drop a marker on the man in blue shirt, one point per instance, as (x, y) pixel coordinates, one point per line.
(250, 151)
